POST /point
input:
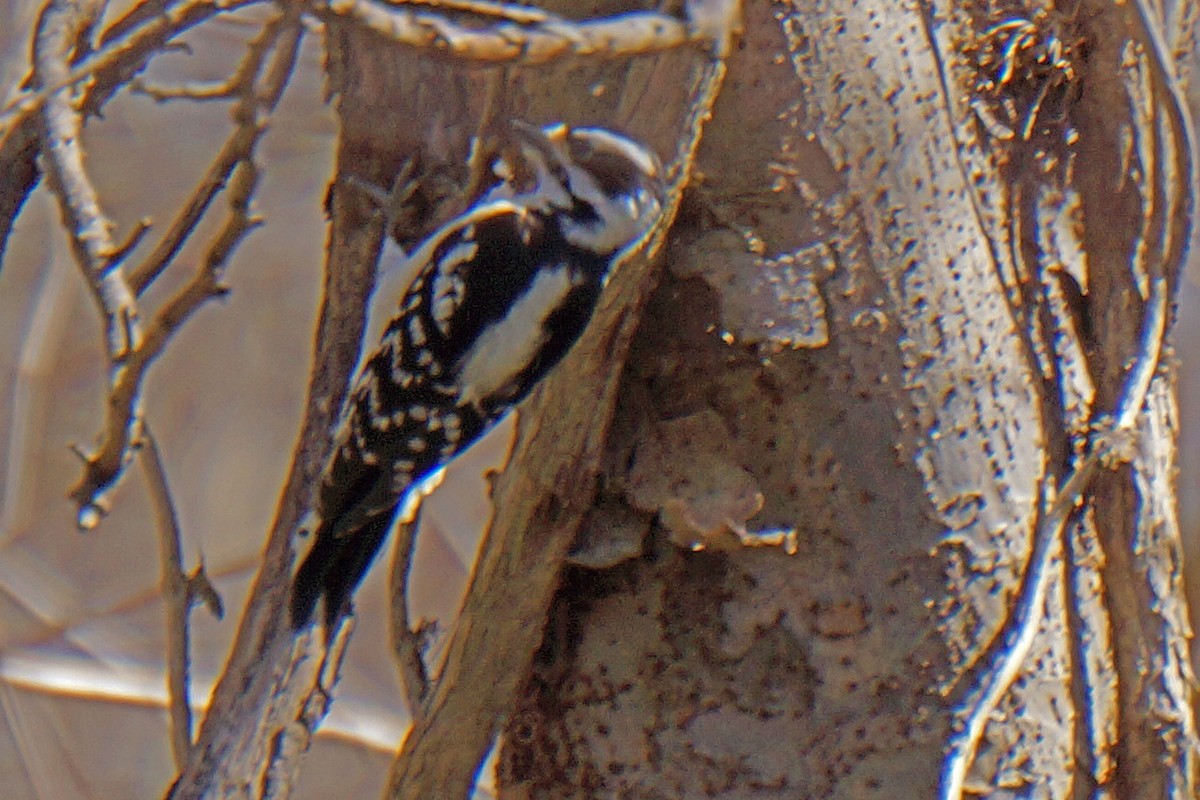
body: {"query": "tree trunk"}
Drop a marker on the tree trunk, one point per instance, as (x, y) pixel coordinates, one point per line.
(913, 288)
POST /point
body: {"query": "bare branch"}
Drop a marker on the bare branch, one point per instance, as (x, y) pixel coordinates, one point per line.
(525, 43)
(131, 241)
(19, 173)
(126, 53)
(201, 591)
(407, 642)
(176, 601)
(239, 84)
(198, 92)
(522, 15)
(90, 230)
(238, 148)
(126, 47)
(265, 688)
(280, 39)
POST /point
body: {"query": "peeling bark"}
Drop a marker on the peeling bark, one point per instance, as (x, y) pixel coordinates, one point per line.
(972, 222)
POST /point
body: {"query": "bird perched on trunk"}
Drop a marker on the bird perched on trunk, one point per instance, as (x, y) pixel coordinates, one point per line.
(501, 294)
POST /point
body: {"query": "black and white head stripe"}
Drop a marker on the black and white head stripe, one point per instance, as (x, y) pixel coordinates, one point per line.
(608, 186)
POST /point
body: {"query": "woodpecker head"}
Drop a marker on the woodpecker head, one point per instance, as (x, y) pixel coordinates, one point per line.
(608, 188)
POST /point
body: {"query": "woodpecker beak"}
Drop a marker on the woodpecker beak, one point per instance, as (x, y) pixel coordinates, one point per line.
(546, 160)
(551, 135)
(550, 142)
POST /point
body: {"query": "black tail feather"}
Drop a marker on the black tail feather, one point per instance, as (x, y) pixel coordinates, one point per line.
(334, 568)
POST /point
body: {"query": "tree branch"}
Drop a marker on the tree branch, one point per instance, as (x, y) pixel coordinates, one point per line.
(408, 643)
(126, 46)
(522, 39)
(59, 28)
(126, 53)
(541, 501)
(105, 465)
(249, 736)
(176, 600)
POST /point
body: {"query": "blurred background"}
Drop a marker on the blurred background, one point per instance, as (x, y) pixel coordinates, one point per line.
(82, 689)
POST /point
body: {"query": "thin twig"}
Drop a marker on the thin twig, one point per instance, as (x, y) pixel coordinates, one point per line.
(407, 642)
(201, 591)
(176, 600)
(1112, 435)
(238, 148)
(106, 463)
(196, 92)
(137, 45)
(131, 241)
(494, 102)
(240, 84)
(1003, 662)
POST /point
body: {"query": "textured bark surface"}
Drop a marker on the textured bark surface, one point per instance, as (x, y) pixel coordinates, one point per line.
(398, 107)
(977, 248)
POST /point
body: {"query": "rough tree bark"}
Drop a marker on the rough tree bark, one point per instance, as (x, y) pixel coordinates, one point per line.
(915, 294)
(978, 198)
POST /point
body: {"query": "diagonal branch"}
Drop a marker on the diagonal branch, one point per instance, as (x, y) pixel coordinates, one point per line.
(59, 29)
(125, 49)
(541, 500)
(265, 689)
(238, 148)
(176, 603)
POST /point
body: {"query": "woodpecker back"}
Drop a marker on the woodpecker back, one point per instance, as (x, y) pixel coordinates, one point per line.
(502, 294)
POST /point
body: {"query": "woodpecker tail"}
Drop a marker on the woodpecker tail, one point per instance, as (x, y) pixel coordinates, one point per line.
(333, 569)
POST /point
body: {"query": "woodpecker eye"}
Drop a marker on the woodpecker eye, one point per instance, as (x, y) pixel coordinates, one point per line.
(619, 167)
(614, 174)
